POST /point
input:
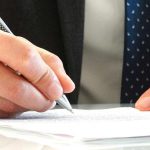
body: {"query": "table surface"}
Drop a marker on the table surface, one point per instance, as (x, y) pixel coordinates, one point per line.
(101, 106)
(135, 143)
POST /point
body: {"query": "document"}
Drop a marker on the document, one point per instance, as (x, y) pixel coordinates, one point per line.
(59, 126)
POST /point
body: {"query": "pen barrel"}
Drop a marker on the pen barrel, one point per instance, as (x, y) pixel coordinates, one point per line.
(4, 27)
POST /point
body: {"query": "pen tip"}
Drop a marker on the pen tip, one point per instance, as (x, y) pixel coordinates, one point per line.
(71, 111)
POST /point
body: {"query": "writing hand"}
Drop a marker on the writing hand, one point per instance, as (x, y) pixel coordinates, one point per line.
(43, 77)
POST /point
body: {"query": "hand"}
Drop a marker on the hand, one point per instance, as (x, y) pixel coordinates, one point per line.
(43, 78)
(143, 102)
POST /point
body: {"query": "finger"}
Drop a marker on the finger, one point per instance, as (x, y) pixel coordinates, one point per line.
(19, 91)
(57, 66)
(9, 107)
(4, 114)
(22, 56)
(143, 102)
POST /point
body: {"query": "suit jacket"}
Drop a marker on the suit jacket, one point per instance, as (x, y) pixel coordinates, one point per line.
(56, 25)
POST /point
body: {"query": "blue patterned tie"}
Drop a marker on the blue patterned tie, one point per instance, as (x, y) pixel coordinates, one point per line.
(136, 66)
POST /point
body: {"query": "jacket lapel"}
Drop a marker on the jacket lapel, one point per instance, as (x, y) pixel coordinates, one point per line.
(71, 13)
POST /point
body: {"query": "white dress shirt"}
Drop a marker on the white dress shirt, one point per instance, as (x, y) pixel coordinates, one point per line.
(103, 51)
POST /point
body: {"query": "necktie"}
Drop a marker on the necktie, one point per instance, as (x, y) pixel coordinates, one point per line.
(136, 65)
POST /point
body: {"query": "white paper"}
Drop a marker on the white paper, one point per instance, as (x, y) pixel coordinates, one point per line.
(84, 124)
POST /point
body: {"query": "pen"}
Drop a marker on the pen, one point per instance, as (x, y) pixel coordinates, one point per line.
(63, 101)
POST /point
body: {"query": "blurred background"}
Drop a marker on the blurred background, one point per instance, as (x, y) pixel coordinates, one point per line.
(103, 51)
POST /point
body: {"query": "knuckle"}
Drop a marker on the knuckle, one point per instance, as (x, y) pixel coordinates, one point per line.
(10, 39)
(23, 40)
(55, 60)
(28, 52)
(41, 78)
(28, 56)
(6, 38)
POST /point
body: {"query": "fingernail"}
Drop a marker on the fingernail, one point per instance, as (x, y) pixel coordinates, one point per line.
(143, 103)
(55, 91)
(69, 84)
(53, 105)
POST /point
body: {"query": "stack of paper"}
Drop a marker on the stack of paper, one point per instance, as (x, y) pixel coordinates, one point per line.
(60, 129)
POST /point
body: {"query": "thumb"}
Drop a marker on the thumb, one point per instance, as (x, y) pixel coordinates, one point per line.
(143, 102)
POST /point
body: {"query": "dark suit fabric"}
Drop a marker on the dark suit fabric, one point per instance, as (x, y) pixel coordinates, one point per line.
(55, 25)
